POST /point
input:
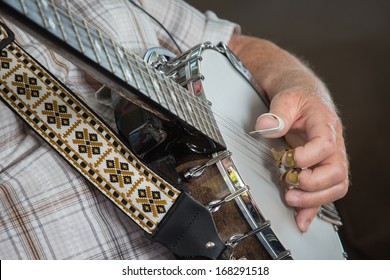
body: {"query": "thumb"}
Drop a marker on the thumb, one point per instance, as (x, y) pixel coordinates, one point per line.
(270, 125)
(276, 123)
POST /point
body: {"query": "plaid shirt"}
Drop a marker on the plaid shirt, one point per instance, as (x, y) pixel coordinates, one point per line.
(47, 210)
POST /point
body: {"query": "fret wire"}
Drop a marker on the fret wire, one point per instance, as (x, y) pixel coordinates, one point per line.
(91, 40)
(194, 115)
(105, 50)
(208, 112)
(142, 76)
(173, 88)
(197, 113)
(131, 69)
(24, 8)
(167, 94)
(198, 103)
(160, 77)
(185, 101)
(119, 58)
(42, 14)
(68, 25)
(76, 31)
(187, 93)
(173, 98)
(210, 121)
(176, 98)
(212, 125)
(203, 115)
(180, 98)
(183, 104)
(59, 21)
(50, 13)
(218, 135)
(153, 81)
(141, 71)
(113, 56)
(202, 106)
(202, 103)
(85, 39)
(100, 49)
(180, 89)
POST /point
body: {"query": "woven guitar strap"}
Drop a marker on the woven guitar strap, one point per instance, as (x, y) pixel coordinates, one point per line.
(81, 138)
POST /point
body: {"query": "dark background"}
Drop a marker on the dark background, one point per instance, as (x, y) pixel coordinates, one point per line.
(347, 43)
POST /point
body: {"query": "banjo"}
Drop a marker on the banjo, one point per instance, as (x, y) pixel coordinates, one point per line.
(187, 126)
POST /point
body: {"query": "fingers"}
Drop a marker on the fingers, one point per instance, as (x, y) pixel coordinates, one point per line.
(307, 204)
(317, 167)
(326, 182)
(304, 218)
(330, 172)
(322, 140)
(302, 199)
(278, 121)
(270, 124)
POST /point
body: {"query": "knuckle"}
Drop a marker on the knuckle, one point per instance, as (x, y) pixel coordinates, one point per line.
(306, 200)
(306, 181)
(342, 170)
(342, 189)
(345, 187)
(290, 95)
(340, 173)
(329, 144)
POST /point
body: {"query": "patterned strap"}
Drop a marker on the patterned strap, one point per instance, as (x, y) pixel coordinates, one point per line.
(80, 137)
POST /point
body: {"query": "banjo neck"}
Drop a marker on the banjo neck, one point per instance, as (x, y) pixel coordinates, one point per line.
(95, 52)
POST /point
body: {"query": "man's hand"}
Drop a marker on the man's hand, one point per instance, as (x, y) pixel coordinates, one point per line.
(301, 105)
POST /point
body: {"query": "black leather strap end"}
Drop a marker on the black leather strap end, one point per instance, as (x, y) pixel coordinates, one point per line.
(8, 38)
(189, 231)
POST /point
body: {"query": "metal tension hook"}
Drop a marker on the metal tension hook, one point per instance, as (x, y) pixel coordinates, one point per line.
(198, 170)
(216, 204)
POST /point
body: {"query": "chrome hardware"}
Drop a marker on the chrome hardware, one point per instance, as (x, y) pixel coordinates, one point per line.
(345, 255)
(159, 62)
(158, 57)
(192, 79)
(329, 213)
(216, 204)
(210, 245)
(253, 215)
(235, 239)
(198, 170)
(284, 255)
(175, 67)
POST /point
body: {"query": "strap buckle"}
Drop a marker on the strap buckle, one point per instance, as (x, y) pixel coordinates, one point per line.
(6, 36)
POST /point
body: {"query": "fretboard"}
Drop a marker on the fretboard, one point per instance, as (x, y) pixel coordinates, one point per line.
(46, 19)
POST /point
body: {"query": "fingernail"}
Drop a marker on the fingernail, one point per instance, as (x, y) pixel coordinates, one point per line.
(305, 226)
(271, 123)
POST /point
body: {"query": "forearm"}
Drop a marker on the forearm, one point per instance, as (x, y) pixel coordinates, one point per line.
(276, 70)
